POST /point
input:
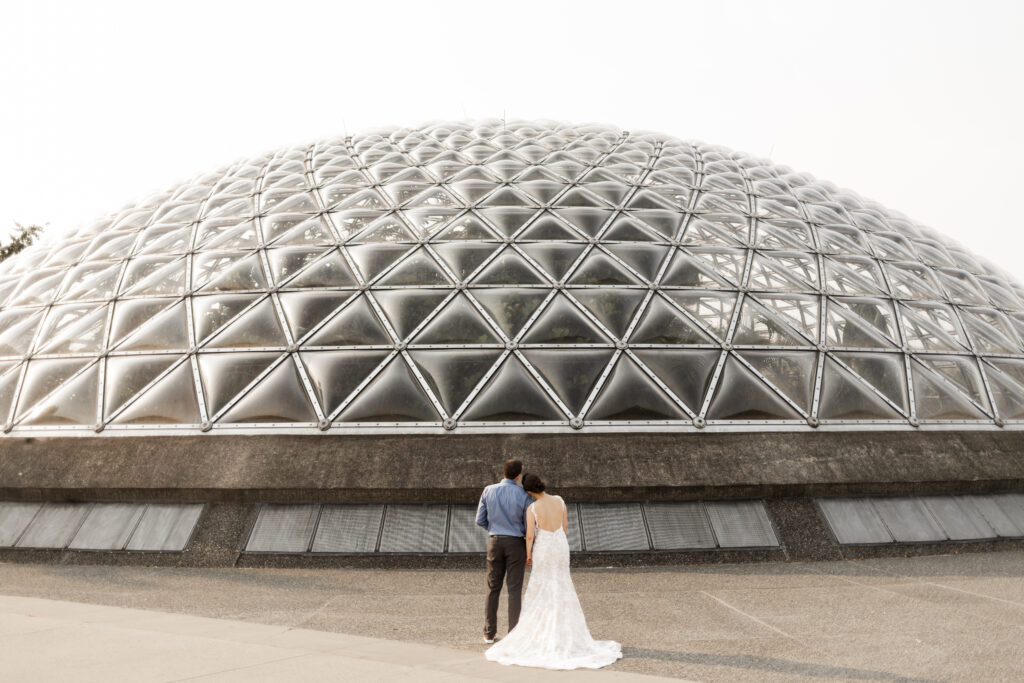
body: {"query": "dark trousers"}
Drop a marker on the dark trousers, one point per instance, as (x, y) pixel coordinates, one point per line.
(506, 556)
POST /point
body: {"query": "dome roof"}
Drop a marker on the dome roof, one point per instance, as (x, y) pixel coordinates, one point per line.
(491, 276)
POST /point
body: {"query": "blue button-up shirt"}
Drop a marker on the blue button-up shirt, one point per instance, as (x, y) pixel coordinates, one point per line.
(502, 509)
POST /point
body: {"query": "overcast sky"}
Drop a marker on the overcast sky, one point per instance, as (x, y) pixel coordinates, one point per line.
(916, 104)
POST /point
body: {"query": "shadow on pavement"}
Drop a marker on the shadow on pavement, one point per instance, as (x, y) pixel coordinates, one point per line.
(770, 665)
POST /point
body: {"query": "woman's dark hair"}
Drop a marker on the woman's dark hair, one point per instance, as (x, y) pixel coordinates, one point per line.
(532, 483)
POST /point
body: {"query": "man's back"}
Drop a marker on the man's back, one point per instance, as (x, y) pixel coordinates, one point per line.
(502, 509)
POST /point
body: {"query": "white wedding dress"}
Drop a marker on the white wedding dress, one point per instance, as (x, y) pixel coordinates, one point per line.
(552, 631)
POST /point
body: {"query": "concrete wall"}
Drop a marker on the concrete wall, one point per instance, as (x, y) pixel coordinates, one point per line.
(452, 468)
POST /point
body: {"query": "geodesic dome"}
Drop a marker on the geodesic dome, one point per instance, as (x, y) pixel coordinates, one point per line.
(491, 276)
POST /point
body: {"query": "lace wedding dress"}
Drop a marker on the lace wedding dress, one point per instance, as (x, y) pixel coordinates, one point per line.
(552, 631)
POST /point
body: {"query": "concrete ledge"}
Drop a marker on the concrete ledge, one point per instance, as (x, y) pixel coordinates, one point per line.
(453, 468)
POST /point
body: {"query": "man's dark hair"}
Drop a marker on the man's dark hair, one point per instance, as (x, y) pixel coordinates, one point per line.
(513, 468)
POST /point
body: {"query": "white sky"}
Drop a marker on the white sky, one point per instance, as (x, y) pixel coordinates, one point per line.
(916, 104)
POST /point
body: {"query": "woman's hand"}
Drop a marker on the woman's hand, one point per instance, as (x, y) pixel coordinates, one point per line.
(529, 560)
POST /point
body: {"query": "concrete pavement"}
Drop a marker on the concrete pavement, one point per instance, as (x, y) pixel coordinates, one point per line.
(52, 640)
(944, 618)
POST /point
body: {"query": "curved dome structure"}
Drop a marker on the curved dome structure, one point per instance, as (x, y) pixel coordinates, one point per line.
(496, 276)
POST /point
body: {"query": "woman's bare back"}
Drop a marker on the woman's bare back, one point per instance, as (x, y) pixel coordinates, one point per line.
(550, 512)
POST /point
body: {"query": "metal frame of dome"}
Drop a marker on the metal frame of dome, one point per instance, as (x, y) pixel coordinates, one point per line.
(506, 276)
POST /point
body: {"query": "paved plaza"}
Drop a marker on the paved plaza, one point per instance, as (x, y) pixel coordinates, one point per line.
(945, 618)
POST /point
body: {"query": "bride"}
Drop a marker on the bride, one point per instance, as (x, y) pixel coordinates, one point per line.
(552, 631)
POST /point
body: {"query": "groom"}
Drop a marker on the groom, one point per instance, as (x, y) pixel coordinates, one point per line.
(502, 512)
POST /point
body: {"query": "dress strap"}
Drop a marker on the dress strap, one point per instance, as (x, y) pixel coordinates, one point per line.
(534, 508)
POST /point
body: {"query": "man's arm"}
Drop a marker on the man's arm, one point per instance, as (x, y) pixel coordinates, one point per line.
(481, 512)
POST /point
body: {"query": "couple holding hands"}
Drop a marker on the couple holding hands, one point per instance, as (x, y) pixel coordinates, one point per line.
(527, 528)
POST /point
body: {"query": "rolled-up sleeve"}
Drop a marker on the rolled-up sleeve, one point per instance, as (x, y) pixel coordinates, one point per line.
(481, 511)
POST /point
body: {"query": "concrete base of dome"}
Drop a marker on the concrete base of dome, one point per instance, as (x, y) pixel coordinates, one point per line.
(453, 468)
(233, 474)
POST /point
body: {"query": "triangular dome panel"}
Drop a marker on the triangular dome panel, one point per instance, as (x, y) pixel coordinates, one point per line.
(285, 262)
(625, 229)
(258, 326)
(279, 397)
(860, 323)
(245, 274)
(211, 313)
(394, 395)
(663, 324)
(43, 376)
(73, 403)
(761, 326)
(1007, 388)
(843, 397)
(884, 371)
(373, 259)
(629, 394)
(599, 269)
(572, 377)
(791, 372)
(165, 331)
(614, 307)
(687, 373)
(509, 268)
(415, 270)
(457, 323)
(936, 400)
(355, 325)
(225, 375)
(740, 395)
(508, 220)
(406, 309)
(128, 375)
(329, 271)
(962, 372)
(336, 374)
(464, 257)
(306, 310)
(547, 228)
(130, 314)
(172, 400)
(453, 374)
(467, 227)
(686, 270)
(554, 258)
(510, 308)
(512, 395)
(587, 220)
(645, 259)
(563, 323)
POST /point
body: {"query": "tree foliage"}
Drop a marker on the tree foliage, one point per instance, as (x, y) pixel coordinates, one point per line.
(25, 236)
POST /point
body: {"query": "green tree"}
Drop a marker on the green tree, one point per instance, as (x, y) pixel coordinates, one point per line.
(25, 236)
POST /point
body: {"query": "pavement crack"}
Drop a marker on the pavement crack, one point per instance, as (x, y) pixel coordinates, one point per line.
(309, 617)
(913, 582)
(979, 595)
(759, 621)
(210, 674)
